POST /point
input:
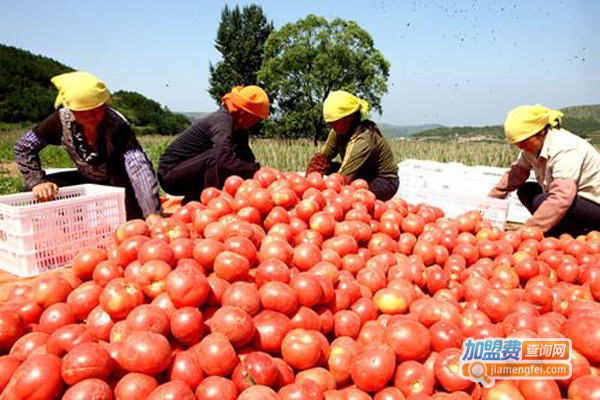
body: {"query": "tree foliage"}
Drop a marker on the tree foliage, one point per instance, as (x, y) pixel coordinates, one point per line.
(147, 116)
(27, 95)
(306, 60)
(240, 40)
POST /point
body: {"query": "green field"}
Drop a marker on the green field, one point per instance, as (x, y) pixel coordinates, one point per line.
(285, 155)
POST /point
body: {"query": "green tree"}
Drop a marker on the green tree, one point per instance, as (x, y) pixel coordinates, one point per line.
(147, 116)
(26, 93)
(240, 40)
(306, 60)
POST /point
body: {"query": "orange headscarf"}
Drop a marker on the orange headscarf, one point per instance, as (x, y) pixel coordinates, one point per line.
(251, 99)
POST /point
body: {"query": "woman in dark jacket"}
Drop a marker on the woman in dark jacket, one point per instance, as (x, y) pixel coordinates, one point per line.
(215, 147)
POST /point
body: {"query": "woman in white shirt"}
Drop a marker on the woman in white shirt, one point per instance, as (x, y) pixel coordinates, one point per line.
(566, 196)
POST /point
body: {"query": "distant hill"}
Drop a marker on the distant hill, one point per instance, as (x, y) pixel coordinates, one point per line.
(396, 131)
(462, 132)
(581, 120)
(193, 116)
(583, 112)
(27, 95)
(389, 130)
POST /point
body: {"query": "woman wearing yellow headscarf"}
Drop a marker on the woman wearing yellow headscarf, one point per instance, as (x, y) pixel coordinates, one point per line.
(215, 147)
(98, 139)
(364, 151)
(566, 196)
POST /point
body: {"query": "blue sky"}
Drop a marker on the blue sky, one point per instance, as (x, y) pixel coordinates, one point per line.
(452, 62)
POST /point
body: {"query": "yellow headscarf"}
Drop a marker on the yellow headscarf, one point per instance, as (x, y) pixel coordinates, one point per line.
(80, 91)
(340, 104)
(252, 99)
(525, 121)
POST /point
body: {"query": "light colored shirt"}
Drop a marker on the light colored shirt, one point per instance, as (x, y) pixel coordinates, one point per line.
(566, 166)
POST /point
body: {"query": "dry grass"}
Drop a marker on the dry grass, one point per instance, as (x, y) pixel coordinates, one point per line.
(284, 155)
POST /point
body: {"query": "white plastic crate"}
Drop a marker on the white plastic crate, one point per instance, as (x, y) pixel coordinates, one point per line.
(454, 204)
(456, 182)
(40, 236)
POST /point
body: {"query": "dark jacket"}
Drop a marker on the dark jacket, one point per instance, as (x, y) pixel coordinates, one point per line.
(215, 133)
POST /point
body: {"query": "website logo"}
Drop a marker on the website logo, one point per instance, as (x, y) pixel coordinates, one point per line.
(485, 360)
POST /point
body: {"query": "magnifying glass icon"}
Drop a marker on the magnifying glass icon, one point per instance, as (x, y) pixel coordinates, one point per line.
(477, 370)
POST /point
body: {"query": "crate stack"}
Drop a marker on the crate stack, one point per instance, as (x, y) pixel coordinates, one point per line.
(457, 188)
(40, 236)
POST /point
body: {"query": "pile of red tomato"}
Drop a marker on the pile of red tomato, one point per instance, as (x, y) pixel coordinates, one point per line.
(292, 287)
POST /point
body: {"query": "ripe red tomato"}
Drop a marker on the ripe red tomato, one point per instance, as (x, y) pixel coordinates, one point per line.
(244, 247)
(258, 392)
(8, 366)
(307, 236)
(231, 266)
(186, 286)
(99, 322)
(88, 389)
(447, 371)
(86, 260)
(216, 388)
(373, 367)
(144, 352)
(400, 334)
(234, 323)
(176, 389)
(243, 295)
(347, 323)
(277, 215)
(232, 184)
(11, 329)
(276, 243)
(50, 289)
(134, 227)
(86, 361)
(413, 223)
(55, 317)
(323, 223)
(106, 271)
(185, 367)
(119, 297)
(302, 348)
(37, 378)
(216, 355)
(317, 375)
(127, 250)
(372, 332)
(255, 368)
(533, 388)
(308, 289)
(156, 249)
(27, 344)
(585, 387)
(412, 378)
(271, 327)
(305, 255)
(584, 333)
(135, 386)
(147, 317)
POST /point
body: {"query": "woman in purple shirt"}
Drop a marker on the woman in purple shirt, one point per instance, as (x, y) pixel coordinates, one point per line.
(98, 139)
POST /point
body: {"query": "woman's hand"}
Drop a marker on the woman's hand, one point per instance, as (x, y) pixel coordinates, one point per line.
(45, 191)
